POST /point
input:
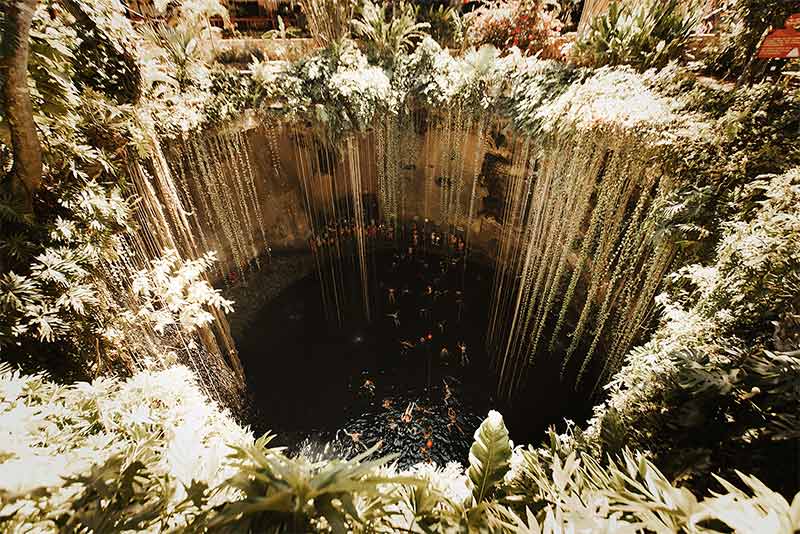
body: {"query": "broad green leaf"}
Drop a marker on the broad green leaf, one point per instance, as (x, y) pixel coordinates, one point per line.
(489, 456)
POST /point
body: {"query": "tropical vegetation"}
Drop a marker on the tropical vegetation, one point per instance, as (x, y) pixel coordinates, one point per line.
(696, 432)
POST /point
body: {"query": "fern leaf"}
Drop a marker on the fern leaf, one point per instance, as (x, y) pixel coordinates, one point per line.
(489, 456)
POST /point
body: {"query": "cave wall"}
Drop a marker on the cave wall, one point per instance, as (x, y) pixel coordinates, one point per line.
(568, 218)
(292, 173)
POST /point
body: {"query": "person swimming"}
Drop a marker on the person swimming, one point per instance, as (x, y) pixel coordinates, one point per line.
(462, 348)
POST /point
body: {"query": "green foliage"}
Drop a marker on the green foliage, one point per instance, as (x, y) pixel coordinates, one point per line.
(719, 380)
(116, 498)
(110, 453)
(180, 44)
(106, 48)
(49, 301)
(173, 292)
(533, 88)
(336, 88)
(389, 33)
(489, 456)
(230, 93)
(151, 454)
(446, 24)
(532, 26)
(751, 132)
(570, 489)
(296, 495)
(48, 295)
(743, 26)
(642, 34)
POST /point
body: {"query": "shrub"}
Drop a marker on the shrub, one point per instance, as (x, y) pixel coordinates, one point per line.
(719, 380)
(646, 35)
(59, 443)
(525, 24)
(152, 454)
(446, 25)
(389, 33)
(743, 25)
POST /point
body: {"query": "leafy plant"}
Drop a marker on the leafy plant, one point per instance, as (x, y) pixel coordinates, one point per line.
(743, 25)
(698, 386)
(50, 302)
(149, 454)
(117, 497)
(526, 24)
(572, 491)
(489, 456)
(642, 34)
(180, 44)
(111, 452)
(389, 32)
(174, 291)
(299, 495)
(109, 64)
(446, 24)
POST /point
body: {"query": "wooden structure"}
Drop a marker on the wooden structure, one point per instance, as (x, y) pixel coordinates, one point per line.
(246, 15)
(591, 9)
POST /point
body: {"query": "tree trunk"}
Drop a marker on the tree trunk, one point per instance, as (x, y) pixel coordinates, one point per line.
(26, 172)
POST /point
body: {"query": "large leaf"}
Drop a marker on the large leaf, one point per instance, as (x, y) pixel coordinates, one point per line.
(489, 456)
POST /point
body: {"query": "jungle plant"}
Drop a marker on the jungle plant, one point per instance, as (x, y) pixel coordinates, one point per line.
(183, 45)
(526, 24)
(53, 243)
(741, 394)
(562, 489)
(645, 35)
(488, 457)
(149, 453)
(389, 32)
(195, 17)
(569, 12)
(180, 44)
(298, 495)
(335, 86)
(744, 24)
(174, 292)
(753, 127)
(139, 452)
(117, 496)
(446, 24)
(109, 64)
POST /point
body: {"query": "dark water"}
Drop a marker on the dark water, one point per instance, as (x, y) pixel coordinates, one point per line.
(321, 374)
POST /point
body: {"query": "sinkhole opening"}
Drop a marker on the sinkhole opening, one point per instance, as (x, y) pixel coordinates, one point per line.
(337, 361)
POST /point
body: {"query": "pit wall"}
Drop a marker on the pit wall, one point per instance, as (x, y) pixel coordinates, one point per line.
(253, 186)
(572, 220)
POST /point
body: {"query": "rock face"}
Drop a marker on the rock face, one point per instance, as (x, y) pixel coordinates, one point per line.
(252, 189)
(567, 217)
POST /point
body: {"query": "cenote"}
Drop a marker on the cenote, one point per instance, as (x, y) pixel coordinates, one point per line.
(411, 266)
(415, 376)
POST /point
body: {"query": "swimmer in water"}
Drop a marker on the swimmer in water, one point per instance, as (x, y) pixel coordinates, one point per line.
(462, 347)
